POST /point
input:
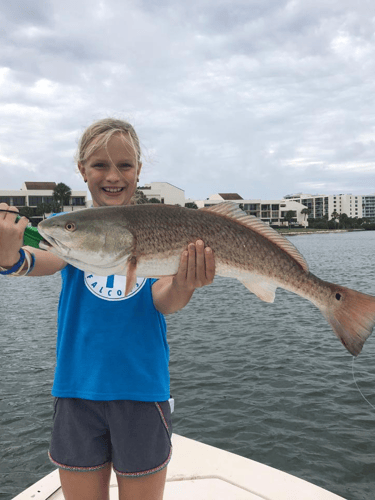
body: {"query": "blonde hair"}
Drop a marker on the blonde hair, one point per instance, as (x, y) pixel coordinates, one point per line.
(103, 130)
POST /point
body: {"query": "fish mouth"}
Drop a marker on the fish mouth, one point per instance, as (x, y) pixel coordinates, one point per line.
(44, 245)
(49, 242)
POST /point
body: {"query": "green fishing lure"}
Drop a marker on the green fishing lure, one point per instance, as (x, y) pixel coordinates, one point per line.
(32, 237)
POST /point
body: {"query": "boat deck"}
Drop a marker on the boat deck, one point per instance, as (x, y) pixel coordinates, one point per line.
(203, 472)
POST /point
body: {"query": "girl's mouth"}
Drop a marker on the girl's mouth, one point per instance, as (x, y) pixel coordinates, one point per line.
(110, 190)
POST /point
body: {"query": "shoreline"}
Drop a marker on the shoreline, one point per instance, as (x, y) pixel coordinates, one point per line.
(317, 231)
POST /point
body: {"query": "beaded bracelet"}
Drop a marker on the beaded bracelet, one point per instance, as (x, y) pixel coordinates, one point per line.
(17, 266)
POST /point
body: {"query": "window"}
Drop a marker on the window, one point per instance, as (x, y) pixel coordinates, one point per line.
(19, 201)
(13, 201)
(34, 201)
(78, 201)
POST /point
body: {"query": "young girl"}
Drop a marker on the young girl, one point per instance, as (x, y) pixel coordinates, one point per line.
(111, 383)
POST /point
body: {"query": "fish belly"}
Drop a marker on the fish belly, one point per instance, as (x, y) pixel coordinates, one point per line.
(155, 266)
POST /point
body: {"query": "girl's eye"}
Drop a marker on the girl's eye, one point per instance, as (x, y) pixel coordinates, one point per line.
(99, 165)
(125, 166)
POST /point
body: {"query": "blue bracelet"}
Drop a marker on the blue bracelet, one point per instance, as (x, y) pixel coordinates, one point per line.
(16, 266)
(32, 264)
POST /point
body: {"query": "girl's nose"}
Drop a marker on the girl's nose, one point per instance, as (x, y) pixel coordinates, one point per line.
(113, 174)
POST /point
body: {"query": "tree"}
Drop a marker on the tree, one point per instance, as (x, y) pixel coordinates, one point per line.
(289, 216)
(344, 220)
(335, 216)
(140, 197)
(62, 194)
(153, 200)
(191, 204)
(28, 212)
(43, 208)
(305, 212)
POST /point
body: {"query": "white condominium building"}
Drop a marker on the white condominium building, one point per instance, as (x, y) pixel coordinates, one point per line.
(271, 212)
(164, 193)
(360, 206)
(368, 207)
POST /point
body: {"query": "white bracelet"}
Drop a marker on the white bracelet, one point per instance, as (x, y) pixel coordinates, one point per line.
(21, 270)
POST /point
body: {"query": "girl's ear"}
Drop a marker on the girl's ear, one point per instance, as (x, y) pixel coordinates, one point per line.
(83, 171)
(139, 170)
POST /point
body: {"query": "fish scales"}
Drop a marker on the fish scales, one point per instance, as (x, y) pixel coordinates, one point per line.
(232, 243)
(149, 240)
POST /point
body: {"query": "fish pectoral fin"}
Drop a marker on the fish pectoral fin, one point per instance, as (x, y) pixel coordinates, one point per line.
(131, 275)
(262, 288)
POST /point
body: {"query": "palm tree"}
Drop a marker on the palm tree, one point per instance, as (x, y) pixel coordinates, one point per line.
(305, 212)
(62, 194)
(335, 215)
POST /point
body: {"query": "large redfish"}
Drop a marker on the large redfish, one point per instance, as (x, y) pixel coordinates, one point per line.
(147, 241)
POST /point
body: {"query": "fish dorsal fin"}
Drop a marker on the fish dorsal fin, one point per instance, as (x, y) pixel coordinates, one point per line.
(231, 210)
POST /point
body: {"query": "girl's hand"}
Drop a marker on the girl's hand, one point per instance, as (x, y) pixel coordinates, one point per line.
(197, 269)
(11, 235)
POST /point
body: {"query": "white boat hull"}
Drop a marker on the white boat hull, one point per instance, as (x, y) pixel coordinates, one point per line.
(203, 472)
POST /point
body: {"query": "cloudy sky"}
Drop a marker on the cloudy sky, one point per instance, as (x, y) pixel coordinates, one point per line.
(259, 97)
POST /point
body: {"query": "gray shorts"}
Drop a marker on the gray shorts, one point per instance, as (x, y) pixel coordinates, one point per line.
(134, 436)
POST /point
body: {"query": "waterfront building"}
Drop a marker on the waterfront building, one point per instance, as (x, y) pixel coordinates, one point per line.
(318, 205)
(271, 212)
(355, 206)
(33, 194)
(164, 193)
(368, 207)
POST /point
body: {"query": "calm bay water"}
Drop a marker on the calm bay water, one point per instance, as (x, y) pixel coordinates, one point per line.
(267, 381)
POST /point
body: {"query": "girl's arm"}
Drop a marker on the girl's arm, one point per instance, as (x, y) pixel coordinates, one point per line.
(197, 269)
(11, 239)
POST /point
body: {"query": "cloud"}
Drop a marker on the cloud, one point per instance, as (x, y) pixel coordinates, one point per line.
(260, 98)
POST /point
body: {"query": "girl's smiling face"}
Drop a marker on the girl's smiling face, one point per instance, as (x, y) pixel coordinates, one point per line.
(111, 172)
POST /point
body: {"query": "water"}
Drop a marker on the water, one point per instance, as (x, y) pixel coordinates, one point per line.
(267, 381)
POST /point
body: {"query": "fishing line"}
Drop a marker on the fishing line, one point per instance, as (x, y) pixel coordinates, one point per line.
(361, 393)
(13, 212)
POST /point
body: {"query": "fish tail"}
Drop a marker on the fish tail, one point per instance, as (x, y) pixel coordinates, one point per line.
(351, 315)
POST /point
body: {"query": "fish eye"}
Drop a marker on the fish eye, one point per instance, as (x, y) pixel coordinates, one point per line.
(70, 226)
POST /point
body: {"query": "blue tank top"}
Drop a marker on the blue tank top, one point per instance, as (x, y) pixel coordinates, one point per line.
(109, 346)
